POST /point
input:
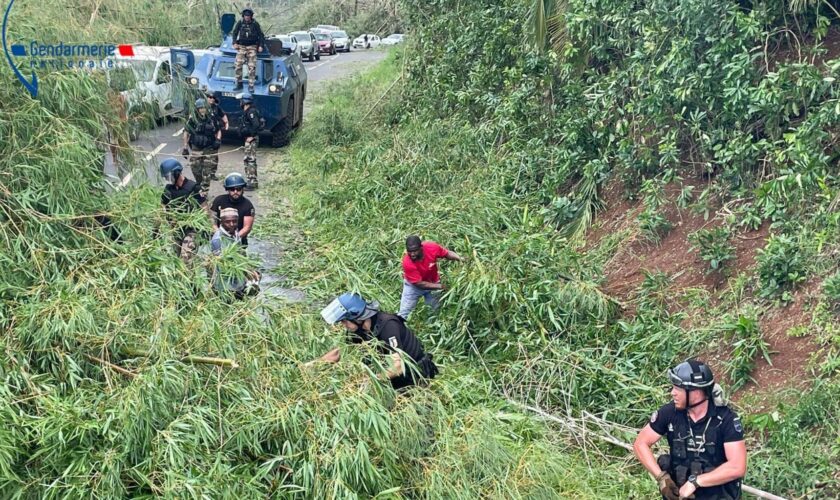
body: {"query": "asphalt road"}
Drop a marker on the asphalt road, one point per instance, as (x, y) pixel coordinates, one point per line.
(166, 141)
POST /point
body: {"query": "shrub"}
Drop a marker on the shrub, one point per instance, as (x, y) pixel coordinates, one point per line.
(831, 288)
(781, 266)
(713, 246)
(653, 224)
(747, 344)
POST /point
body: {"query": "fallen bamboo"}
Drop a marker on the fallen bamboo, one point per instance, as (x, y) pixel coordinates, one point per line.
(571, 425)
(200, 360)
(229, 363)
(112, 366)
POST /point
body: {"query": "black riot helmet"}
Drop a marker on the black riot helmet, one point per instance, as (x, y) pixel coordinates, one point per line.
(692, 374)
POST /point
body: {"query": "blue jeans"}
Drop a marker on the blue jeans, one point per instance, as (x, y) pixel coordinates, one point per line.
(412, 294)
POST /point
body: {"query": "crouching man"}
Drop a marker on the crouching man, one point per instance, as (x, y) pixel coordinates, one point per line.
(365, 322)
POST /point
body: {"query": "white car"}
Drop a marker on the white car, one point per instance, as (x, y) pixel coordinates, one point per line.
(342, 41)
(372, 41)
(291, 43)
(393, 39)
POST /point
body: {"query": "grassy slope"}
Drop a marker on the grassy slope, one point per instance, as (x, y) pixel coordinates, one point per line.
(76, 429)
(552, 341)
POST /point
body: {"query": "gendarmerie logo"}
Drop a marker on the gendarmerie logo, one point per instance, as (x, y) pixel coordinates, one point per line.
(57, 56)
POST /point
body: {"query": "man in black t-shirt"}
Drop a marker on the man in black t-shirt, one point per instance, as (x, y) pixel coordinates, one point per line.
(364, 322)
(181, 196)
(708, 456)
(234, 185)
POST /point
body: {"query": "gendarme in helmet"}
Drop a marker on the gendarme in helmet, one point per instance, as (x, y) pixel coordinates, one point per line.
(692, 374)
(170, 168)
(349, 306)
(234, 180)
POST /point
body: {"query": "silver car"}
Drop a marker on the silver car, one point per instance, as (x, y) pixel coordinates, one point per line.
(290, 43)
(309, 47)
(342, 41)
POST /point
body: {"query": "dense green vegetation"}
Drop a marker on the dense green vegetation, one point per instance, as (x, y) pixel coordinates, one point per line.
(502, 152)
(355, 17)
(473, 138)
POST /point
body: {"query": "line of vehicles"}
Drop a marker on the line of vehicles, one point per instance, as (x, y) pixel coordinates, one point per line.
(160, 82)
(327, 39)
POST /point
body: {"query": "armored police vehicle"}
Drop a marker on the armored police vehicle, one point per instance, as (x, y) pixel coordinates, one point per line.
(279, 92)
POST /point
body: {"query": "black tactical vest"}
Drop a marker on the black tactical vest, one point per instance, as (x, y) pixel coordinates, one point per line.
(699, 449)
(248, 33)
(204, 132)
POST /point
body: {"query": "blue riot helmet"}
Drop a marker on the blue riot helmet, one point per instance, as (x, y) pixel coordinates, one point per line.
(170, 169)
(349, 306)
(247, 98)
(234, 180)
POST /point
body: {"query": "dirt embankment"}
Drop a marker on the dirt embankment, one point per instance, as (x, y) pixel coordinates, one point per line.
(673, 256)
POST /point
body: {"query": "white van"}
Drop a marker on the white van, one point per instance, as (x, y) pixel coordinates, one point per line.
(152, 90)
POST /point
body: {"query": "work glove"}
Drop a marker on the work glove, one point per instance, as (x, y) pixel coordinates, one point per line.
(185, 152)
(667, 486)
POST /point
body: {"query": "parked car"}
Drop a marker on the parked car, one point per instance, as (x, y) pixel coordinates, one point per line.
(342, 41)
(326, 44)
(309, 47)
(327, 27)
(291, 43)
(372, 42)
(393, 39)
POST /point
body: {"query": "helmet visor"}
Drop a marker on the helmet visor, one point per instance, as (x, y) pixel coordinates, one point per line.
(334, 312)
(675, 380)
(685, 376)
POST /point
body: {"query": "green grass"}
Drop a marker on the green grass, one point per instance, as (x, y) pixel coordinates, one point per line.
(468, 149)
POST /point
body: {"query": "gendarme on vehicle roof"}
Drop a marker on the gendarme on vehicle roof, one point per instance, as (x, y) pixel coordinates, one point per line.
(279, 90)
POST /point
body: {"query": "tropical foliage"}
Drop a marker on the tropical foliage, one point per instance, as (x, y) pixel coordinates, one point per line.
(125, 375)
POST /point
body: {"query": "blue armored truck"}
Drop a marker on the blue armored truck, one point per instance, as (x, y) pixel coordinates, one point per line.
(278, 94)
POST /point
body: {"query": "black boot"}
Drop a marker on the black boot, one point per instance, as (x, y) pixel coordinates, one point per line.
(251, 88)
(238, 86)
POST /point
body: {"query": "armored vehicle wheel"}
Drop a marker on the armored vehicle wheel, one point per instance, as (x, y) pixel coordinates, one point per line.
(281, 134)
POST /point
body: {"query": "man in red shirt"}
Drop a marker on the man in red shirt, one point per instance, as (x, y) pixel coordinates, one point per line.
(421, 273)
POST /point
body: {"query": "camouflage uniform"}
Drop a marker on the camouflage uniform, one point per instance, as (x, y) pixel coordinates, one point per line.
(247, 35)
(180, 201)
(185, 246)
(249, 53)
(204, 165)
(204, 158)
(250, 126)
(251, 162)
